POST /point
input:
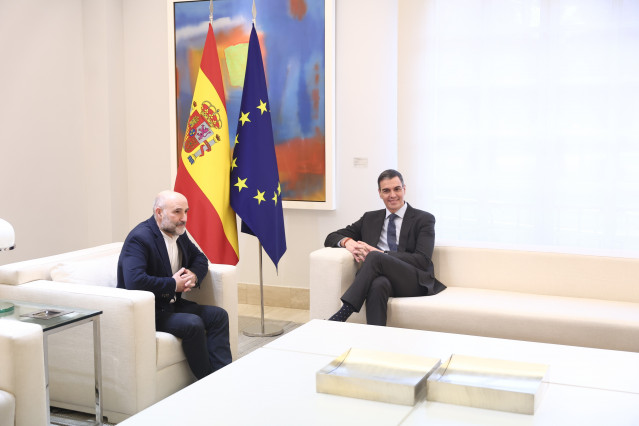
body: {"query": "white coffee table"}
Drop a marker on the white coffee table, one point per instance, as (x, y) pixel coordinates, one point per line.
(275, 385)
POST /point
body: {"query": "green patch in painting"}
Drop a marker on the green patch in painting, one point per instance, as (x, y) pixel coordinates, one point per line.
(236, 63)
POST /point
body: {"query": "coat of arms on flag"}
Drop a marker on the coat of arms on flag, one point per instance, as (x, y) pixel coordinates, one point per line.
(199, 130)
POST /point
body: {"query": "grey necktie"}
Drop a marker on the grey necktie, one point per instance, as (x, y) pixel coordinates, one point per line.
(391, 233)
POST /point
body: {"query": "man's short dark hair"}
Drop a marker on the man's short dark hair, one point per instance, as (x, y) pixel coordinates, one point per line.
(389, 174)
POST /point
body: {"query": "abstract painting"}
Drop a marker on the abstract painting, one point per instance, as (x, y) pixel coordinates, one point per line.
(296, 38)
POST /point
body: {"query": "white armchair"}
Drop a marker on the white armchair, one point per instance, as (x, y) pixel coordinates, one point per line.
(139, 365)
(22, 382)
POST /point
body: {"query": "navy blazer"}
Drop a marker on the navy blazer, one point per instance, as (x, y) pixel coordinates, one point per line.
(144, 262)
(415, 246)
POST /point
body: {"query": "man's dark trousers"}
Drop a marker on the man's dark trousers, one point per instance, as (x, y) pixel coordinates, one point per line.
(380, 277)
(203, 330)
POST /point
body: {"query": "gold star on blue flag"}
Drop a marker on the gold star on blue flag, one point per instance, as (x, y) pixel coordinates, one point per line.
(255, 164)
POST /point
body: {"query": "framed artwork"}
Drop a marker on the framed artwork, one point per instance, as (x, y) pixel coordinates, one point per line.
(297, 43)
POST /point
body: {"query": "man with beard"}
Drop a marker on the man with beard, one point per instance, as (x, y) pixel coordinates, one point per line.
(159, 257)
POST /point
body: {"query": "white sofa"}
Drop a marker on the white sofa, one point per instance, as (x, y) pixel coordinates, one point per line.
(139, 365)
(22, 380)
(565, 299)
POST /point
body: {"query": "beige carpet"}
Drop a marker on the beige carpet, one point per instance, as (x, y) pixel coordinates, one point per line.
(246, 344)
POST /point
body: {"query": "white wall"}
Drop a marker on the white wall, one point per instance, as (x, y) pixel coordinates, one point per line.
(85, 125)
(411, 92)
(105, 174)
(146, 71)
(62, 125)
(42, 123)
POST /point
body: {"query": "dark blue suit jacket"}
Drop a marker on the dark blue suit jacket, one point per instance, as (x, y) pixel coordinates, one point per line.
(144, 262)
(415, 245)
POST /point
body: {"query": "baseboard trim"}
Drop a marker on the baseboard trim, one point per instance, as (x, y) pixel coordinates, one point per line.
(283, 297)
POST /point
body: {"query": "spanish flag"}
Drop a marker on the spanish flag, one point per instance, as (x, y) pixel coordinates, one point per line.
(203, 175)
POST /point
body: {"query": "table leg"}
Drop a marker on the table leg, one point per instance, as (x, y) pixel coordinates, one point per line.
(46, 375)
(97, 364)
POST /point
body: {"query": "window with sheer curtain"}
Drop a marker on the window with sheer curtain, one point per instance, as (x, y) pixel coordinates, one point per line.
(531, 124)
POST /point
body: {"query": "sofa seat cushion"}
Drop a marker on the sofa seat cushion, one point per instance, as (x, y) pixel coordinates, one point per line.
(520, 316)
(169, 350)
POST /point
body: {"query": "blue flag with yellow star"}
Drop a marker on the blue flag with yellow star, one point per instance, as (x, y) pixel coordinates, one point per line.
(255, 183)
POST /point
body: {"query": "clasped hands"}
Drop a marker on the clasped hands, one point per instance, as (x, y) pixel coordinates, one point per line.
(185, 280)
(359, 249)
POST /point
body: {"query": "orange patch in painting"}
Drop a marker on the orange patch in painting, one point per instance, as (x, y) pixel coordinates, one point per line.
(302, 160)
(193, 59)
(230, 37)
(177, 80)
(298, 9)
(316, 100)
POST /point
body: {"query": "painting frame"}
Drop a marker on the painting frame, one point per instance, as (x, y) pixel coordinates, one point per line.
(329, 107)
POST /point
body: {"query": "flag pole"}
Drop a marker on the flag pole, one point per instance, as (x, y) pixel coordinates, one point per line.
(264, 330)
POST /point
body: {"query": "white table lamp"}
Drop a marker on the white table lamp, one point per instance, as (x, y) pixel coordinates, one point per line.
(7, 236)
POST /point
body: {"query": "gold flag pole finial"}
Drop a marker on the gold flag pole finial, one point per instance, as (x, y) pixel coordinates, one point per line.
(211, 12)
(254, 12)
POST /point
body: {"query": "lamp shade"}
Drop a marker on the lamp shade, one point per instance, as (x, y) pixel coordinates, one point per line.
(7, 236)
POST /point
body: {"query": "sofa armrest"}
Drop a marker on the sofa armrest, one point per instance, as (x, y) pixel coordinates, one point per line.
(332, 271)
(7, 408)
(127, 329)
(219, 288)
(22, 372)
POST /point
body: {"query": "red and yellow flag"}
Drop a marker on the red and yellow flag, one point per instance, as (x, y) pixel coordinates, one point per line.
(203, 174)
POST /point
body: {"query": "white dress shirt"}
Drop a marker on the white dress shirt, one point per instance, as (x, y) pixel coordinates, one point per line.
(175, 256)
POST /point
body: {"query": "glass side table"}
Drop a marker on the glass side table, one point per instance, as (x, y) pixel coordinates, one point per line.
(54, 319)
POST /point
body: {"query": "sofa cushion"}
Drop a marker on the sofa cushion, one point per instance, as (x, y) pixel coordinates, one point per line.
(551, 274)
(101, 271)
(169, 350)
(40, 269)
(509, 315)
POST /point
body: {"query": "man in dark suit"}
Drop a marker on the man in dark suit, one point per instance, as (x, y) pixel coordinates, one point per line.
(395, 245)
(159, 257)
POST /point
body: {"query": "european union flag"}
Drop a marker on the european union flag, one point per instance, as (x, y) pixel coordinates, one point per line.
(255, 182)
